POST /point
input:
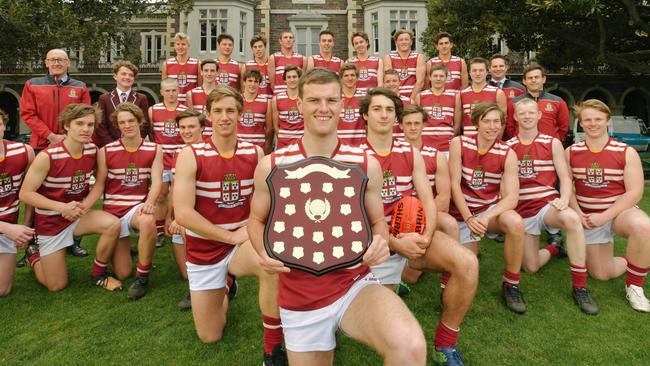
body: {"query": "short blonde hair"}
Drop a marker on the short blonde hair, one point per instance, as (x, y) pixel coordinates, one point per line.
(222, 92)
(593, 104)
(181, 36)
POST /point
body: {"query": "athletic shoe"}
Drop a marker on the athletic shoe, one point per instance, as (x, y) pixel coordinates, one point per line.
(500, 238)
(402, 289)
(277, 358)
(232, 290)
(160, 241)
(185, 304)
(134, 251)
(22, 261)
(138, 288)
(106, 281)
(584, 301)
(448, 357)
(637, 298)
(556, 241)
(513, 298)
(75, 249)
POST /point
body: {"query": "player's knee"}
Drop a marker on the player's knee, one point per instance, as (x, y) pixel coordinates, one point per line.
(512, 223)
(530, 266)
(414, 350)
(641, 229)
(210, 337)
(599, 274)
(147, 224)
(112, 226)
(56, 286)
(570, 219)
(5, 289)
(122, 273)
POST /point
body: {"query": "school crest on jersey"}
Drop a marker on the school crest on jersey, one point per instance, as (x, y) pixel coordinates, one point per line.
(526, 167)
(512, 94)
(78, 182)
(548, 108)
(6, 185)
(317, 222)
(595, 178)
(263, 82)
(349, 115)
(363, 74)
(169, 128)
(230, 192)
(389, 188)
(223, 78)
(404, 73)
(182, 80)
(478, 178)
(435, 112)
(473, 105)
(73, 93)
(449, 79)
(131, 176)
(248, 118)
(293, 116)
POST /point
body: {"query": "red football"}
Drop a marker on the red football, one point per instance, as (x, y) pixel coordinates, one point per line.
(408, 216)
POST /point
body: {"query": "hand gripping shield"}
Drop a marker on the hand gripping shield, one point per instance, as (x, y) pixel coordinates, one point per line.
(317, 222)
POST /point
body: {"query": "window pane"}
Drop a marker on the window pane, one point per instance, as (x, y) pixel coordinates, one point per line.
(203, 13)
(223, 26)
(403, 14)
(374, 16)
(224, 13)
(242, 16)
(213, 37)
(393, 14)
(413, 14)
(214, 13)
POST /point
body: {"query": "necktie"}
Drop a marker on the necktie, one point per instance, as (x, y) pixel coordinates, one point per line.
(122, 97)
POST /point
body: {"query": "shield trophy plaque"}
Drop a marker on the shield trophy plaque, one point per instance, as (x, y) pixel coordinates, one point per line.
(317, 221)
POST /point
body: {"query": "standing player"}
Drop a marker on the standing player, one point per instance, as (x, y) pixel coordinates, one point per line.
(409, 64)
(15, 158)
(325, 58)
(457, 68)
(256, 122)
(608, 180)
(541, 162)
(287, 120)
(229, 69)
(484, 189)
(391, 82)
(165, 134)
(281, 59)
(369, 68)
(440, 105)
(213, 188)
(197, 97)
(132, 169)
(352, 128)
(57, 186)
(314, 307)
(183, 68)
(404, 175)
(478, 92)
(260, 63)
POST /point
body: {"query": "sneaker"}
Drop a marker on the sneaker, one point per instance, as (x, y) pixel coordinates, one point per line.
(402, 289)
(22, 261)
(584, 301)
(185, 304)
(160, 241)
(500, 238)
(556, 241)
(448, 357)
(513, 298)
(232, 289)
(637, 298)
(138, 288)
(75, 249)
(277, 358)
(106, 281)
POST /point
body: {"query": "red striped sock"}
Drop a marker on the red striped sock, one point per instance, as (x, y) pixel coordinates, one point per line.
(510, 279)
(142, 270)
(635, 275)
(444, 279)
(446, 337)
(229, 281)
(33, 259)
(552, 249)
(578, 275)
(160, 227)
(98, 267)
(273, 335)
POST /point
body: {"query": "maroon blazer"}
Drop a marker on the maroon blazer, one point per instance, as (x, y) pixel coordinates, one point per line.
(106, 132)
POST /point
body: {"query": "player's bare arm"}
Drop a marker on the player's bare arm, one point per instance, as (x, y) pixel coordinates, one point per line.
(378, 251)
(443, 185)
(270, 71)
(464, 78)
(100, 180)
(269, 129)
(425, 194)
(420, 71)
(509, 189)
(380, 73)
(564, 176)
(155, 188)
(458, 116)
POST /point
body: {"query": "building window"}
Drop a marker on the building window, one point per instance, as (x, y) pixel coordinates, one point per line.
(152, 47)
(112, 50)
(212, 22)
(307, 40)
(242, 31)
(375, 32)
(403, 19)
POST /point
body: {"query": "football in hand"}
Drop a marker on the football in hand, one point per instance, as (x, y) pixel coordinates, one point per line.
(408, 216)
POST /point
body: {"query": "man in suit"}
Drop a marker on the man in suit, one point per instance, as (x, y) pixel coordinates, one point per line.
(124, 73)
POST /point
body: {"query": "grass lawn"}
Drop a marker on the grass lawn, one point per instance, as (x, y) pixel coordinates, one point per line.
(84, 325)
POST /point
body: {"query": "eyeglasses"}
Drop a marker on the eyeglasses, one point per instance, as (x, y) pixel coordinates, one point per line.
(57, 60)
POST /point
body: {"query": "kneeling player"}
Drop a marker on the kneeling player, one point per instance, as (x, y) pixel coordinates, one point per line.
(15, 158)
(131, 168)
(57, 185)
(351, 299)
(484, 188)
(212, 190)
(608, 180)
(541, 163)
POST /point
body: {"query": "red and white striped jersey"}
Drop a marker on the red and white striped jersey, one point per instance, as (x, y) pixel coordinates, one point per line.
(598, 176)
(281, 61)
(12, 173)
(454, 70)
(299, 290)
(67, 180)
(252, 123)
(469, 99)
(165, 131)
(186, 74)
(397, 168)
(129, 176)
(351, 128)
(481, 175)
(290, 121)
(537, 176)
(224, 187)
(366, 71)
(407, 68)
(439, 127)
(265, 85)
(229, 73)
(333, 64)
(397, 129)
(199, 98)
(430, 157)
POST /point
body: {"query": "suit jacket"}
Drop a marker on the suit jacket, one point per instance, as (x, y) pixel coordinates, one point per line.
(106, 132)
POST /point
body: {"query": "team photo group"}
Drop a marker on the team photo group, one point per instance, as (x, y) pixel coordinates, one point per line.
(336, 183)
